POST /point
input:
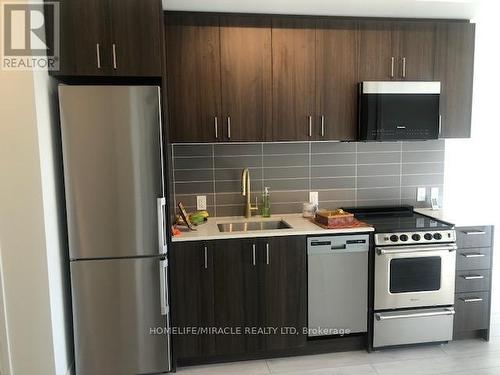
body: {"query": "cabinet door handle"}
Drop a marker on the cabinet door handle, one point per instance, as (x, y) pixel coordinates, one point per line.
(216, 127)
(310, 125)
(473, 277)
(403, 73)
(98, 53)
(206, 257)
(254, 262)
(473, 255)
(115, 66)
(440, 123)
(474, 232)
(267, 253)
(322, 126)
(472, 299)
(392, 67)
(228, 127)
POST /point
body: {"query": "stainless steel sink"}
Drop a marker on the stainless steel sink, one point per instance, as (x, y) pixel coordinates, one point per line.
(253, 226)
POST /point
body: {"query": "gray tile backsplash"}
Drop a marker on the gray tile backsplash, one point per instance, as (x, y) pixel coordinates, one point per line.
(344, 174)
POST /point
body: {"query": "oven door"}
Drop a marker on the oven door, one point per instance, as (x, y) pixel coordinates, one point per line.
(414, 276)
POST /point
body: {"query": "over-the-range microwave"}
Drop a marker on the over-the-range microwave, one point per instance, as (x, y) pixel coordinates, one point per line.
(398, 110)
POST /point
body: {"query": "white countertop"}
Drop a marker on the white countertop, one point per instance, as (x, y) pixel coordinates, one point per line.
(300, 226)
(460, 217)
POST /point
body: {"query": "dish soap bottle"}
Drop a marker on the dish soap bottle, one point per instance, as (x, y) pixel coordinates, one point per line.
(266, 203)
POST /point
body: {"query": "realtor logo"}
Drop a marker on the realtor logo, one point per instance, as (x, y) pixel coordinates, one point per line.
(30, 35)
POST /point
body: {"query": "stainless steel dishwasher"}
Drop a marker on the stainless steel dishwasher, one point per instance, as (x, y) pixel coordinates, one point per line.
(337, 284)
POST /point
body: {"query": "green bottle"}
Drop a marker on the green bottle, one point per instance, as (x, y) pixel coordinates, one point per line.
(266, 203)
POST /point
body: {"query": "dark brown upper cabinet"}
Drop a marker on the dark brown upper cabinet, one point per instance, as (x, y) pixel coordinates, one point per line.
(396, 50)
(454, 67)
(290, 78)
(110, 38)
(246, 77)
(416, 50)
(85, 41)
(193, 78)
(337, 43)
(294, 103)
(136, 43)
(218, 77)
(377, 59)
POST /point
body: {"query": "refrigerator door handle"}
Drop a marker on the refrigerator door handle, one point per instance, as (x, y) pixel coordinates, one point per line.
(163, 287)
(161, 203)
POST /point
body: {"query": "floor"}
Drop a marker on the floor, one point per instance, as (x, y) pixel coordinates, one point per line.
(467, 357)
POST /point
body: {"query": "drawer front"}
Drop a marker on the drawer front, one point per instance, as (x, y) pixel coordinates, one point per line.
(472, 281)
(471, 311)
(473, 259)
(412, 327)
(470, 237)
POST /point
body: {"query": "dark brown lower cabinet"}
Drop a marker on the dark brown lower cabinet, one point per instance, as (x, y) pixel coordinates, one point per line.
(473, 282)
(251, 291)
(192, 297)
(237, 296)
(284, 289)
(260, 289)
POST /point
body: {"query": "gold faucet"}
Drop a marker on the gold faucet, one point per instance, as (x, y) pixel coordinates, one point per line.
(246, 192)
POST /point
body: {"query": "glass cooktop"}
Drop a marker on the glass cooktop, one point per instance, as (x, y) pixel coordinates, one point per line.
(397, 219)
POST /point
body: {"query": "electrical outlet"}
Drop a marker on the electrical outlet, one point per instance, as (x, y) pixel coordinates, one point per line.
(421, 193)
(435, 193)
(435, 198)
(201, 202)
(313, 197)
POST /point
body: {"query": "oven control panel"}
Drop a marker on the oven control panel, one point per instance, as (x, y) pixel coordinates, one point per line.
(421, 237)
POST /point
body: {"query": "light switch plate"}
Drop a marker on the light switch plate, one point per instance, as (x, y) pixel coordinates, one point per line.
(313, 197)
(421, 194)
(201, 202)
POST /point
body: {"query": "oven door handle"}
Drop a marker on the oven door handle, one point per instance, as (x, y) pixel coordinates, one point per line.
(414, 249)
(448, 311)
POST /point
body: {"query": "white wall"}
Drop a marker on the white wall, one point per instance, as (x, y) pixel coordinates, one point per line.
(471, 165)
(464, 9)
(22, 232)
(54, 219)
(36, 306)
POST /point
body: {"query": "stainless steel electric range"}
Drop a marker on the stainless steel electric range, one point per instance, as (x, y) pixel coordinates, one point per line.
(413, 276)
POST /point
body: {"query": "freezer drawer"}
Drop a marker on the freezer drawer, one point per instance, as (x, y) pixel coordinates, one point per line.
(115, 305)
(412, 326)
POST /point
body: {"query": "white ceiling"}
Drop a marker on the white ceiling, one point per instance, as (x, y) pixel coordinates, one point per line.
(464, 9)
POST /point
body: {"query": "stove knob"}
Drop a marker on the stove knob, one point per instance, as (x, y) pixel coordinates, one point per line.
(437, 236)
(403, 237)
(428, 236)
(415, 237)
(394, 238)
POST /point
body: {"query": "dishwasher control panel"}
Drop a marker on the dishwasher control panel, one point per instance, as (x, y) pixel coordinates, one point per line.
(344, 243)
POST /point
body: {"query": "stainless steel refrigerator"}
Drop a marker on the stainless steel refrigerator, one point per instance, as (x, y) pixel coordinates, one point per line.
(115, 204)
